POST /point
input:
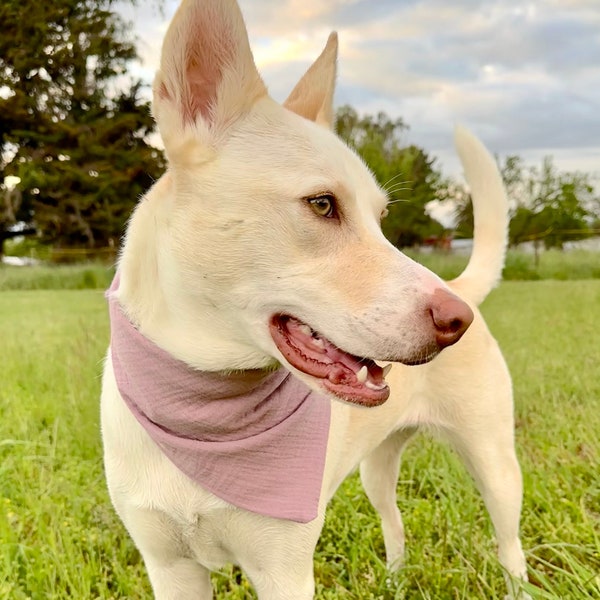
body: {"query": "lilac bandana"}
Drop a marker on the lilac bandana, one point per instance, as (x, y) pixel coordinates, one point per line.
(257, 439)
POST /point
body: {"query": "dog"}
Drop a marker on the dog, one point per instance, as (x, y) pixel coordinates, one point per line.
(254, 294)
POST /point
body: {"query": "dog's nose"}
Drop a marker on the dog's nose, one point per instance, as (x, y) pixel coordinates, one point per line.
(451, 317)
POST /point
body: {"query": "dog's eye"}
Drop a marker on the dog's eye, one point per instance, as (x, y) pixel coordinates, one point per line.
(323, 206)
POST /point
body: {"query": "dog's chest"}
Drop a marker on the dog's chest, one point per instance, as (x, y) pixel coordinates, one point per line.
(256, 439)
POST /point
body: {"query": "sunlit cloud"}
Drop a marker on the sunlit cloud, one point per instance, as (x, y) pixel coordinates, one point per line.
(524, 75)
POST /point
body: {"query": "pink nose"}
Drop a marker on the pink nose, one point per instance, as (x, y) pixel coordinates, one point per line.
(451, 317)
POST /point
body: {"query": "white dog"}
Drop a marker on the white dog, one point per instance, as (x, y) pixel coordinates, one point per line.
(259, 254)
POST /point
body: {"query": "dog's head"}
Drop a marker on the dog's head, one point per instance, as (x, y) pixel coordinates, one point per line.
(274, 223)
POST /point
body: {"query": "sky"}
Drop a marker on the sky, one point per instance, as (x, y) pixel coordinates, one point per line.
(524, 76)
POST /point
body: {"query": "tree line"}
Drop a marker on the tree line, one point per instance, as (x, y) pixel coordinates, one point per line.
(74, 129)
(73, 122)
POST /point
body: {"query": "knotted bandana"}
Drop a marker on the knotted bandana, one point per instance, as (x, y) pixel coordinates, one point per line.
(256, 439)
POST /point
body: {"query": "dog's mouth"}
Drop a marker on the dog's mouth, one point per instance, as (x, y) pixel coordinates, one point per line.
(350, 378)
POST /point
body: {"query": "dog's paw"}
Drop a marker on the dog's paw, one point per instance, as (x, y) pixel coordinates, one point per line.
(395, 563)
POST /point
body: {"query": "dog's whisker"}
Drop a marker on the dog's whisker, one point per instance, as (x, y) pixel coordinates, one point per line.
(400, 185)
(386, 185)
(398, 200)
(397, 189)
(396, 192)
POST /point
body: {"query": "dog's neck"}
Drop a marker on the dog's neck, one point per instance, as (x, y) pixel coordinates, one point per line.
(149, 293)
(255, 438)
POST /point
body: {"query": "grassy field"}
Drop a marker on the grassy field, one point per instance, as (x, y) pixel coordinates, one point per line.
(553, 264)
(521, 266)
(56, 277)
(59, 537)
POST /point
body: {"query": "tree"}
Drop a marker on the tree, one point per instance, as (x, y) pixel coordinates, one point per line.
(73, 128)
(406, 173)
(549, 206)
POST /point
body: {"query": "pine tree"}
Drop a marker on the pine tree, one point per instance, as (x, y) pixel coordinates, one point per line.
(72, 126)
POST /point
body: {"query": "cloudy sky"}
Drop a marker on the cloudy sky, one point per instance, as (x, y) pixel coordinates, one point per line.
(525, 76)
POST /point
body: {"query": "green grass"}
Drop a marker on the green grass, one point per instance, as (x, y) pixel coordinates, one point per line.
(84, 276)
(59, 537)
(520, 266)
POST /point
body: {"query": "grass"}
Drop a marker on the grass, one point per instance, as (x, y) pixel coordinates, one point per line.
(553, 264)
(520, 266)
(56, 277)
(59, 537)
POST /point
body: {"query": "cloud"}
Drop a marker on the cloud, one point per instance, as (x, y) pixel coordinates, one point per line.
(524, 75)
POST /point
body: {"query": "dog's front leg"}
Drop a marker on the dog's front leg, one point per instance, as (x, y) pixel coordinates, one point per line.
(279, 585)
(277, 555)
(279, 581)
(489, 455)
(379, 476)
(174, 575)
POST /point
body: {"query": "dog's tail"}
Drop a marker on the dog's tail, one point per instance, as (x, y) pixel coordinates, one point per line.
(490, 211)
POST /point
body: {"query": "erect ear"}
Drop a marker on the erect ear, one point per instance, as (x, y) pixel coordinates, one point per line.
(312, 98)
(207, 78)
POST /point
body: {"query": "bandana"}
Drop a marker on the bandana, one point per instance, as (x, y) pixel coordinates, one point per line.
(256, 439)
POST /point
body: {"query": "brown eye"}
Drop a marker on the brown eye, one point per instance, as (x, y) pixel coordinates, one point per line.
(323, 206)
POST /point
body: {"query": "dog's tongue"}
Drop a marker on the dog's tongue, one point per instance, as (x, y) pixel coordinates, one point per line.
(350, 378)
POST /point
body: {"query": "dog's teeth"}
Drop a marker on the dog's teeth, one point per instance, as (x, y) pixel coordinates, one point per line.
(375, 386)
(305, 329)
(362, 374)
(318, 342)
(386, 370)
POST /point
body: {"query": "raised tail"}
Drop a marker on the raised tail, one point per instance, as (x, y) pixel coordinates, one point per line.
(490, 211)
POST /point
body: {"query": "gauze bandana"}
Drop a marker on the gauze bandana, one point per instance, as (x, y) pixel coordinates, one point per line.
(257, 439)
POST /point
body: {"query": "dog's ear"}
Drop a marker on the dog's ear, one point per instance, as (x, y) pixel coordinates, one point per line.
(207, 78)
(312, 98)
